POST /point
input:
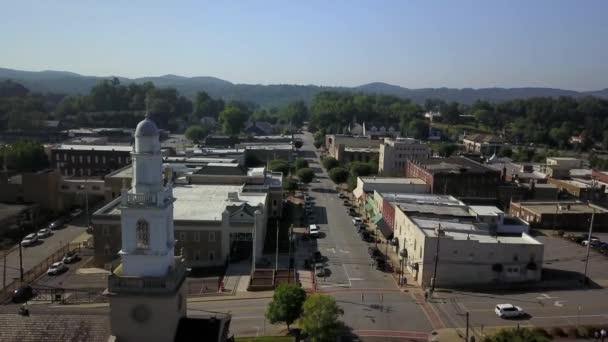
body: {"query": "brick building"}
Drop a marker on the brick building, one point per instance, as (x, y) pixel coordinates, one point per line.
(89, 160)
(560, 215)
(457, 176)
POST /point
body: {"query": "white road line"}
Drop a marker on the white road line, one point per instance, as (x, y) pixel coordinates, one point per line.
(246, 317)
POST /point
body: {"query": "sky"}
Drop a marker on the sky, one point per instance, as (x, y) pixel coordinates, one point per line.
(414, 44)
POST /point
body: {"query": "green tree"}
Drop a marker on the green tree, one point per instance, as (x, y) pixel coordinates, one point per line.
(418, 129)
(301, 163)
(279, 165)
(295, 113)
(360, 169)
(330, 163)
(338, 175)
(320, 315)
(516, 335)
(306, 175)
(290, 185)
(286, 304)
(196, 133)
(24, 156)
(298, 144)
(233, 120)
(446, 149)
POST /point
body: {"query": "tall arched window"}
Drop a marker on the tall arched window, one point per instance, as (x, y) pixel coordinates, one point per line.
(143, 234)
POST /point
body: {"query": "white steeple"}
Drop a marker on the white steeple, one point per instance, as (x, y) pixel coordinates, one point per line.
(147, 210)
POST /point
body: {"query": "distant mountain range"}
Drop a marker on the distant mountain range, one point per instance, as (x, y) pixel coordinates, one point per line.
(276, 94)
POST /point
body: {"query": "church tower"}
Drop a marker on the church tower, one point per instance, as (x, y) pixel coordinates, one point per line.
(147, 296)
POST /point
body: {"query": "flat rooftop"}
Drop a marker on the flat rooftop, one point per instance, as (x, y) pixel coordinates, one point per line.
(125, 172)
(552, 207)
(119, 148)
(486, 210)
(8, 210)
(362, 149)
(467, 231)
(204, 202)
(391, 180)
(453, 165)
(434, 209)
(269, 147)
(421, 198)
(198, 160)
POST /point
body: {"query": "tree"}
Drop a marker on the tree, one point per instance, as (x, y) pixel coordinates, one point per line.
(306, 175)
(295, 113)
(301, 163)
(290, 185)
(360, 169)
(418, 129)
(298, 144)
(446, 150)
(338, 175)
(233, 120)
(516, 335)
(279, 165)
(24, 156)
(286, 304)
(196, 133)
(329, 163)
(320, 315)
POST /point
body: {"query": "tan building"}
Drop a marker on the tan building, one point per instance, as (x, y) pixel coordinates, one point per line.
(559, 167)
(40, 187)
(484, 144)
(347, 149)
(467, 255)
(395, 152)
(366, 186)
(567, 215)
(212, 224)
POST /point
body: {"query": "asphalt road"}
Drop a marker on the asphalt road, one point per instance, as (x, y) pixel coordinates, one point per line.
(33, 255)
(372, 302)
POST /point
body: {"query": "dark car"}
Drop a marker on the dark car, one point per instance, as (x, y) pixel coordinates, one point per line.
(366, 236)
(381, 264)
(317, 256)
(71, 257)
(346, 203)
(373, 252)
(23, 294)
(57, 224)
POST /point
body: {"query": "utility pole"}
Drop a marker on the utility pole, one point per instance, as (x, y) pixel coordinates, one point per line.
(276, 263)
(289, 254)
(467, 331)
(433, 280)
(588, 246)
(253, 245)
(20, 263)
(86, 201)
(4, 272)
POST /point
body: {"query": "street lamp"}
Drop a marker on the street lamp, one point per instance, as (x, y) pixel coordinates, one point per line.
(402, 261)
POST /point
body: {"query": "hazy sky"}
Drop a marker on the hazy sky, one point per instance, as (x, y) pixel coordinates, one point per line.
(415, 44)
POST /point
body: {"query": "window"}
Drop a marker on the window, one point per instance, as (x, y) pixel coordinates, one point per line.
(80, 159)
(96, 159)
(95, 187)
(106, 249)
(119, 159)
(197, 255)
(211, 256)
(197, 237)
(182, 236)
(89, 159)
(103, 159)
(142, 233)
(73, 159)
(211, 236)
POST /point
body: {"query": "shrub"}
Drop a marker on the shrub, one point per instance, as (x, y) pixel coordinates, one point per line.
(330, 163)
(584, 331)
(557, 332)
(571, 332)
(540, 332)
(560, 233)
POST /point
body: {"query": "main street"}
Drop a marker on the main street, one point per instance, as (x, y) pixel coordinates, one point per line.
(373, 303)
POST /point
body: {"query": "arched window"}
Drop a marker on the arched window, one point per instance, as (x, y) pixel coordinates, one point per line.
(143, 234)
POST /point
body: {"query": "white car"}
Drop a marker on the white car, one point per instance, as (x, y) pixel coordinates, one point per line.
(56, 268)
(29, 240)
(314, 230)
(508, 311)
(357, 221)
(594, 241)
(42, 233)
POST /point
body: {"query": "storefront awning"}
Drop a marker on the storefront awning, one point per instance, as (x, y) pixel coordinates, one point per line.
(358, 193)
(369, 207)
(376, 218)
(386, 231)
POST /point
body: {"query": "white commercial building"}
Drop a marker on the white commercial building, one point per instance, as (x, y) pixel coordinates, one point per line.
(395, 152)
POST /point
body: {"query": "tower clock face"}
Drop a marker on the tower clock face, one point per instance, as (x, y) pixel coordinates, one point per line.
(141, 313)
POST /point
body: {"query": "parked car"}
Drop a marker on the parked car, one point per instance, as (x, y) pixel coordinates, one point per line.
(352, 212)
(508, 311)
(57, 224)
(29, 240)
(313, 230)
(70, 257)
(381, 264)
(341, 196)
(75, 213)
(594, 242)
(309, 205)
(346, 203)
(357, 221)
(57, 268)
(366, 236)
(42, 233)
(308, 198)
(23, 294)
(320, 270)
(374, 252)
(317, 256)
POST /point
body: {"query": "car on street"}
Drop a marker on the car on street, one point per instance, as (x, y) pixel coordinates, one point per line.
(317, 256)
(594, 242)
(22, 294)
(352, 212)
(70, 257)
(341, 196)
(57, 268)
(313, 230)
(75, 213)
(346, 203)
(57, 224)
(29, 240)
(309, 205)
(366, 236)
(374, 252)
(320, 270)
(42, 233)
(357, 221)
(508, 311)
(381, 264)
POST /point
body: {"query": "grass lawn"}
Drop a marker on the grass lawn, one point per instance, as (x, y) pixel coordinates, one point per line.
(265, 339)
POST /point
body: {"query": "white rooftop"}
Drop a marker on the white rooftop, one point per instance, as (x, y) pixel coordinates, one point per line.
(422, 198)
(486, 210)
(121, 148)
(391, 180)
(467, 231)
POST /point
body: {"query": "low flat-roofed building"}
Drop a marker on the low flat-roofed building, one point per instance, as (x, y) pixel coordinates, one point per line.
(461, 177)
(484, 144)
(263, 152)
(90, 160)
(212, 224)
(497, 221)
(367, 185)
(467, 255)
(559, 167)
(520, 172)
(13, 216)
(566, 215)
(347, 148)
(582, 189)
